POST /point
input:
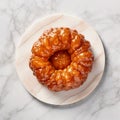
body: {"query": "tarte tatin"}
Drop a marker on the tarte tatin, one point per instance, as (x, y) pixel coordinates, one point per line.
(61, 59)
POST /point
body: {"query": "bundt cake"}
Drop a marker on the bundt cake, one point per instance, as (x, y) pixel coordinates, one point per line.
(61, 59)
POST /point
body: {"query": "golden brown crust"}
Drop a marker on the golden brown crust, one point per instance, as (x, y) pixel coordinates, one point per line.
(61, 59)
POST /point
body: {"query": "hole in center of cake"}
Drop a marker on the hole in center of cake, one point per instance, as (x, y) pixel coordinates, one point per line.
(60, 59)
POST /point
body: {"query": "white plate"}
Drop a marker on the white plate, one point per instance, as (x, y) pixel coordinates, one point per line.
(23, 53)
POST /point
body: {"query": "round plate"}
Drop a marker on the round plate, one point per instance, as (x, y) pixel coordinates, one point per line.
(23, 53)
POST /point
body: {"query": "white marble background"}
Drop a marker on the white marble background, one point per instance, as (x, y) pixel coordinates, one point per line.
(16, 103)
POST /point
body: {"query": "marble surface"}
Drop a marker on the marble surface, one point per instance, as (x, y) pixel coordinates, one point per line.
(16, 103)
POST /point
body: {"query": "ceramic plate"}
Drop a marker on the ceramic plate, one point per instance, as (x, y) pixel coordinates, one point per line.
(23, 53)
